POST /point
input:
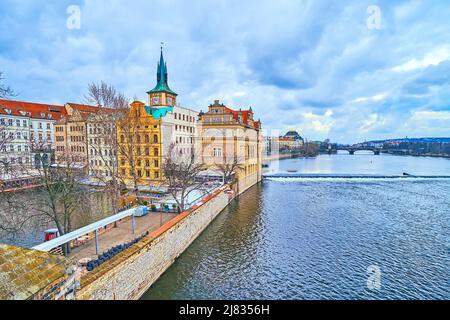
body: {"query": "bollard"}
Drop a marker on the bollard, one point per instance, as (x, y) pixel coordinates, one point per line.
(96, 242)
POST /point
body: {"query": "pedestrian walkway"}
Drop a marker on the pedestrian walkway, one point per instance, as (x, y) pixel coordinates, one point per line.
(120, 234)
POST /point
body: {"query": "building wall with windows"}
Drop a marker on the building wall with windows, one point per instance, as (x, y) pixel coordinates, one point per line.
(179, 129)
(14, 139)
(140, 147)
(71, 141)
(227, 136)
(27, 131)
(102, 145)
(148, 132)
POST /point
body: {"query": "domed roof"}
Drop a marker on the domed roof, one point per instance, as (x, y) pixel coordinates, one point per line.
(293, 135)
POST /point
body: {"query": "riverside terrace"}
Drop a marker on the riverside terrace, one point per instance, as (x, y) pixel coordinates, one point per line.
(102, 238)
(120, 234)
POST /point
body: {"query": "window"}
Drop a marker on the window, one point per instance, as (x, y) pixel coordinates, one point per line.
(155, 138)
(217, 152)
(155, 152)
(156, 163)
(156, 174)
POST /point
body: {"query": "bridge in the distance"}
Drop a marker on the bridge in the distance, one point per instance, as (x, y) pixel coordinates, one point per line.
(354, 148)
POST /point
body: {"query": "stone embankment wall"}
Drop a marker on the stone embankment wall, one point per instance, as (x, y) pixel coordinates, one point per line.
(129, 274)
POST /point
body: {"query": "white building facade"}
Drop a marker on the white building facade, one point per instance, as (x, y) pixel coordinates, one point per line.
(179, 128)
(14, 138)
(27, 132)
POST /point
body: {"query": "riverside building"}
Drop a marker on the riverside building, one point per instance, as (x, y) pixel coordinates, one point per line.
(27, 132)
(148, 131)
(71, 141)
(231, 138)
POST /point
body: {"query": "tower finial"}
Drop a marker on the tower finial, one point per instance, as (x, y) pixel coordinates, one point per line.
(162, 44)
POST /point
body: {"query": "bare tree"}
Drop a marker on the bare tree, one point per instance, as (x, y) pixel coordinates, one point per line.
(182, 176)
(62, 195)
(106, 96)
(230, 169)
(105, 144)
(60, 201)
(5, 91)
(128, 147)
(6, 165)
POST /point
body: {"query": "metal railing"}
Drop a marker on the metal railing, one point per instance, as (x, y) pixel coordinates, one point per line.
(94, 227)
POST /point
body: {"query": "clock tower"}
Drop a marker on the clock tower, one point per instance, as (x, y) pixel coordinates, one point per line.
(162, 95)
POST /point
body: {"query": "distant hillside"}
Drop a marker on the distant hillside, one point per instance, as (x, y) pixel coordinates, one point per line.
(414, 140)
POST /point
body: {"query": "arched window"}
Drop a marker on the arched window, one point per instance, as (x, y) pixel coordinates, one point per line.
(155, 138)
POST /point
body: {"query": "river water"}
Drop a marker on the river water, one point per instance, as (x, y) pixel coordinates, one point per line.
(98, 206)
(325, 238)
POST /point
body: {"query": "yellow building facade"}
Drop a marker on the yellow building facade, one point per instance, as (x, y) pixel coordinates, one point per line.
(140, 134)
(139, 150)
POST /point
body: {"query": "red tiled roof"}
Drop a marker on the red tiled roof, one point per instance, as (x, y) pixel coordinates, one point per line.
(85, 107)
(244, 113)
(32, 110)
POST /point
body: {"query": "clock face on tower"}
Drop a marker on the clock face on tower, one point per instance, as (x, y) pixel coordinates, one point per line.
(155, 100)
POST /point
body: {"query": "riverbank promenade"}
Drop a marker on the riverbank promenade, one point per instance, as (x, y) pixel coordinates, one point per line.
(123, 232)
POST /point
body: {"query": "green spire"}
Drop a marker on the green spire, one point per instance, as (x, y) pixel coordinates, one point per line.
(162, 77)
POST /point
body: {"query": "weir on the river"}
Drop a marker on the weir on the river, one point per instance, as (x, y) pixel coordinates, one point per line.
(352, 176)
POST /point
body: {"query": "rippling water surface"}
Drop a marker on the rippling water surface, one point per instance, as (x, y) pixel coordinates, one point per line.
(303, 239)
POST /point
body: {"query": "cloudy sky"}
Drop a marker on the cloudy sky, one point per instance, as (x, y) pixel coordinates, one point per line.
(314, 66)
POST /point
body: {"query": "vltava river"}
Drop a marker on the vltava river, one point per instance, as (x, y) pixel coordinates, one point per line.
(316, 238)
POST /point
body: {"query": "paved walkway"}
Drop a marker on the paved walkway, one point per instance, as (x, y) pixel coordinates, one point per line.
(122, 233)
